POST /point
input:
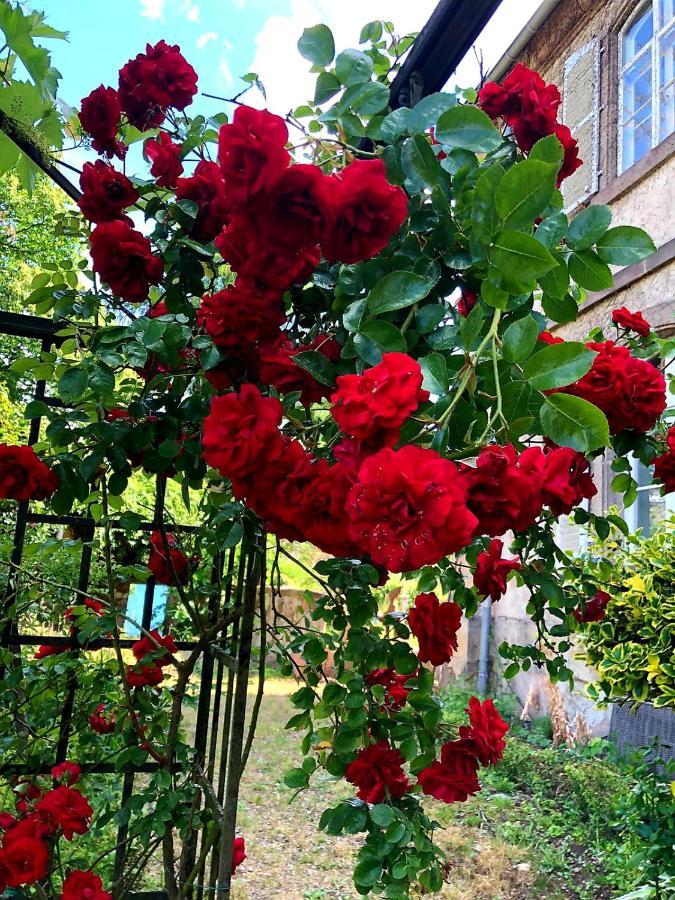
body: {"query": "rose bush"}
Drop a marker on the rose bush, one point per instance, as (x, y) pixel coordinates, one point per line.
(343, 314)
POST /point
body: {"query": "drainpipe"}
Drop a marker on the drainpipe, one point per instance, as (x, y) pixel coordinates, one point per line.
(484, 651)
(523, 39)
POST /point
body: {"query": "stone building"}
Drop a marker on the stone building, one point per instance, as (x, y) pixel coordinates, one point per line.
(614, 61)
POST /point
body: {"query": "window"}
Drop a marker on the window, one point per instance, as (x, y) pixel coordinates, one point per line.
(646, 81)
(581, 114)
(650, 508)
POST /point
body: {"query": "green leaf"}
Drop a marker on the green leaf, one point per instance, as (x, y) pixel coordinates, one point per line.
(317, 45)
(371, 32)
(353, 67)
(382, 815)
(552, 230)
(625, 245)
(573, 422)
(378, 337)
(420, 165)
(558, 365)
(394, 125)
(426, 112)
(524, 193)
(556, 283)
(560, 309)
(589, 271)
(72, 384)
(469, 128)
(435, 372)
(354, 315)
(549, 150)
(365, 99)
(588, 227)
(318, 366)
(367, 872)
(296, 778)
(520, 256)
(327, 86)
(398, 290)
(520, 339)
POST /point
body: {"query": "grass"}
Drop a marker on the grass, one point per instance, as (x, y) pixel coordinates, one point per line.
(289, 859)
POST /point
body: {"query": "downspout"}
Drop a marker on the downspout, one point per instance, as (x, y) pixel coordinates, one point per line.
(484, 650)
(523, 39)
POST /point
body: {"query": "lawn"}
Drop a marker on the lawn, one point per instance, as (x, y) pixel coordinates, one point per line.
(537, 830)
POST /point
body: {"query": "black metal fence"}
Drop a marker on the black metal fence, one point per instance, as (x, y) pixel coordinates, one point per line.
(220, 729)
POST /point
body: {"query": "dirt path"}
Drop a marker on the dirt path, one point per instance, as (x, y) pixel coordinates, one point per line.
(290, 859)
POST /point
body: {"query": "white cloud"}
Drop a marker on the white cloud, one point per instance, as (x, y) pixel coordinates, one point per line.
(240, 4)
(227, 45)
(193, 14)
(205, 38)
(226, 73)
(286, 75)
(152, 9)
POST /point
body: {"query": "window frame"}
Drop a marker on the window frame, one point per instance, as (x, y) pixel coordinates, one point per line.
(652, 49)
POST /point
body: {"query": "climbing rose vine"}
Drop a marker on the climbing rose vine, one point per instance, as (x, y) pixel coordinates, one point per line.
(334, 326)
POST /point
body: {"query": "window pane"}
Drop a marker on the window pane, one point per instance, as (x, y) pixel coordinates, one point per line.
(667, 11)
(637, 88)
(667, 84)
(637, 36)
(637, 140)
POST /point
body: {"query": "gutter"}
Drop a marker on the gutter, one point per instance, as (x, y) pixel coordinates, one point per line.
(511, 56)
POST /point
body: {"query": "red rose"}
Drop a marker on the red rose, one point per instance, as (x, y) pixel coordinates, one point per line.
(322, 514)
(167, 569)
(23, 476)
(238, 853)
(280, 487)
(455, 777)
(84, 886)
(594, 609)
(523, 97)
(144, 675)
(45, 650)
(237, 314)
(440, 155)
(293, 214)
(7, 820)
(500, 492)
(239, 431)
(65, 809)
(23, 861)
(567, 480)
(159, 78)
(100, 118)
(395, 690)
(486, 731)
(270, 268)
(149, 646)
(165, 158)
(123, 258)
(631, 392)
(636, 322)
(32, 825)
(435, 625)
(466, 302)
(251, 152)
(408, 509)
(207, 188)
(377, 772)
(489, 579)
(571, 161)
(278, 368)
(547, 338)
(373, 406)
(100, 723)
(365, 213)
(664, 465)
(68, 772)
(105, 192)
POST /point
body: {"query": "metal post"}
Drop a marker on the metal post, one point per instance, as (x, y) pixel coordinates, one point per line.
(484, 652)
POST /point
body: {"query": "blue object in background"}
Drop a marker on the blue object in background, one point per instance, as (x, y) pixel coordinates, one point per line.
(135, 607)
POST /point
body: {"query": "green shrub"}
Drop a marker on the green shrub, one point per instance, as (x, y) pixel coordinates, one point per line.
(632, 647)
